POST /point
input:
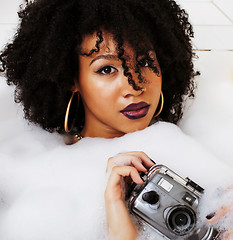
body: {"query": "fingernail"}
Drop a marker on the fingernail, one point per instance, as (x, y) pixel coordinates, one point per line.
(152, 161)
(142, 178)
(211, 215)
(142, 174)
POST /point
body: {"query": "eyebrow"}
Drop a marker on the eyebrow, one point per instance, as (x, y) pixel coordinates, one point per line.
(105, 56)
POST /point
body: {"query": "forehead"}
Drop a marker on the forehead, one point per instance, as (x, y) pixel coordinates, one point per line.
(108, 45)
(94, 46)
(89, 42)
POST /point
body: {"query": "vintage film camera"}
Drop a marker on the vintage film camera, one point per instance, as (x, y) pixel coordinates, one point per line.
(169, 203)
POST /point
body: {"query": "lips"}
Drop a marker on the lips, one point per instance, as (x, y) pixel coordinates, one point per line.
(136, 110)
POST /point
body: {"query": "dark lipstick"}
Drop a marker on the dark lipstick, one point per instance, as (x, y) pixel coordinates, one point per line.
(136, 110)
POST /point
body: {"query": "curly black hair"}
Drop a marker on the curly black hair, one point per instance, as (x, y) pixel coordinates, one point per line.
(42, 58)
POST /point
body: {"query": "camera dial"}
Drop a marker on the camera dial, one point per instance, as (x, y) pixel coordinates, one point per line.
(151, 197)
(181, 219)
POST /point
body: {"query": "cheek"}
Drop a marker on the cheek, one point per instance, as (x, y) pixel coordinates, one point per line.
(97, 92)
(155, 84)
(151, 77)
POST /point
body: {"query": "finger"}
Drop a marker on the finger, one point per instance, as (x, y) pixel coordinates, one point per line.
(126, 160)
(220, 213)
(119, 160)
(110, 164)
(118, 172)
(144, 157)
(136, 162)
(123, 159)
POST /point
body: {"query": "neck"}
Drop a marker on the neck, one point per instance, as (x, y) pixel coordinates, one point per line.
(101, 132)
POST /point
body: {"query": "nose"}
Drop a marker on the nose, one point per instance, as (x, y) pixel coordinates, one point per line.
(128, 88)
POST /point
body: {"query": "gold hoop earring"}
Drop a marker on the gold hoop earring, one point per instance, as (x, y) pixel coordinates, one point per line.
(161, 105)
(67, 113)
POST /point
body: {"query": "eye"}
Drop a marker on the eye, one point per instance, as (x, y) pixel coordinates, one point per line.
(107, 70)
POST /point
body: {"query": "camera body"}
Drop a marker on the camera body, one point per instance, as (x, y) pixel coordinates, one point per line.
(169, 204)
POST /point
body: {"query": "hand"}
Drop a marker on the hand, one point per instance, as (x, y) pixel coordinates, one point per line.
(120, 224)
(220, 213)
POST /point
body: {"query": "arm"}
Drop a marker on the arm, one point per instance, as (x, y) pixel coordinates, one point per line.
(119, 221)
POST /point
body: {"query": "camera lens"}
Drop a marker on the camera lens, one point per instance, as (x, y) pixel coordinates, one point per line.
(181, 220)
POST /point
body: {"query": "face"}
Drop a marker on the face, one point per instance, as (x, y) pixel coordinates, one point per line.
(112, 106)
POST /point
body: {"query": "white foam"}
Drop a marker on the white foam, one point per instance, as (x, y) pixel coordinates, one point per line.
(52, 191)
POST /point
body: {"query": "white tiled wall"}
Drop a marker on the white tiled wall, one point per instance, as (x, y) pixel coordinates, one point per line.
(8, 19)
(212, 20)
(8, 10)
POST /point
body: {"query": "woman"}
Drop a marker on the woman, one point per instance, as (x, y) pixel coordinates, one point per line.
(103, 69)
